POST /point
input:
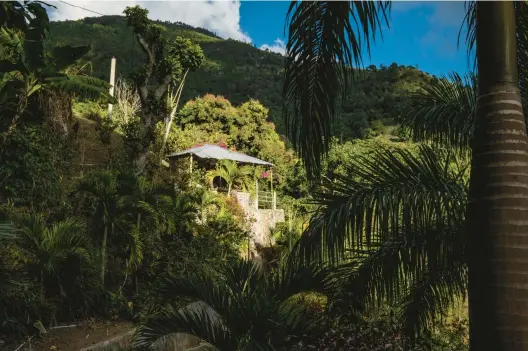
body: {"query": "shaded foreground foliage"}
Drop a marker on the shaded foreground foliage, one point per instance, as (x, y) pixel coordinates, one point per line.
(80, 244)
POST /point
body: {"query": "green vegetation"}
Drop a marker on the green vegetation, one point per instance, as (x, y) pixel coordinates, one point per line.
(374, 253)
(240, 72)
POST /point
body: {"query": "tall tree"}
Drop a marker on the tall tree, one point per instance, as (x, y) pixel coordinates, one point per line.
(166, 63)
(323, 46)
(498, 196)
(191, 58)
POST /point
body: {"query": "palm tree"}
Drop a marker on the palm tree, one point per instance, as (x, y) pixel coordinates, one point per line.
(394, 224)
(47, 248)
(241, 309)
(321, 49)
(205, 200)
(233, 175)
(138, 210)
(103, 189)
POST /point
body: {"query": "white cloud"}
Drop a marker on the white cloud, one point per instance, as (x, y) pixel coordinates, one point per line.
(221, 17)
(278, 46)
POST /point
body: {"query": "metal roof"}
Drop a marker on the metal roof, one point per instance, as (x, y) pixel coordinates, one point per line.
(219, 153)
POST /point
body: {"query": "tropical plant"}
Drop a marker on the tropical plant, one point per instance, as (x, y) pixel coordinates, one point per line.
(444, 112)
(47, 249)
(395, 222)
(233, 175)
(205, 201)
(241, 309)
(106, 201)
(322, 47)
(28, 69)
(324, 42)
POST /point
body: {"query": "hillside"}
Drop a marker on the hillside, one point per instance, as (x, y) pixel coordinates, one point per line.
(240, 71)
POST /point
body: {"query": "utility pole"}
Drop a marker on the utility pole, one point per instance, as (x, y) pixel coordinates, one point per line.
(112, 83)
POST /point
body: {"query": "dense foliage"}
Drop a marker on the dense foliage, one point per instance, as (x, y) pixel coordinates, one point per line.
(241, 72)
(370, 257)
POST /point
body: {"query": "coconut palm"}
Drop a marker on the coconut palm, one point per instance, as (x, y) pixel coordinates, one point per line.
(241, 309)
(322, 47)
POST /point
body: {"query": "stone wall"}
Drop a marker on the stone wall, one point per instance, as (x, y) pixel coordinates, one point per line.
(263, 220)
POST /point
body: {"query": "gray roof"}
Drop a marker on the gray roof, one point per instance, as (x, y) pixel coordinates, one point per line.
(219, 153)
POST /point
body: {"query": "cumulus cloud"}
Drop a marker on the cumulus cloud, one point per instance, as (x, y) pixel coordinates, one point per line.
(278, 46)
(221, 17)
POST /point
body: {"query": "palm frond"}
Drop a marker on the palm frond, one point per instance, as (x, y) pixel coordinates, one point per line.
(135, 248)
(431, 295)
(30, 227)
(296, 276)
(242, 276)
(196, 321)
(421, 273)
(444, 112)
(232, 309)
(469, 26)
(325, 40)
(83, 86)
(62, 57)
(69, 237)
(391, 192)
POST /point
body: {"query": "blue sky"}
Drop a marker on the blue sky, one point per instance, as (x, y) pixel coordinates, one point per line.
(420, 33)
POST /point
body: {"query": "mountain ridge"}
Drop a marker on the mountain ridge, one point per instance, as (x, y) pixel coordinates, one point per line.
(240, 71)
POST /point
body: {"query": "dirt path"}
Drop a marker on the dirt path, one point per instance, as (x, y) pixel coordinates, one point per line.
(76, 338)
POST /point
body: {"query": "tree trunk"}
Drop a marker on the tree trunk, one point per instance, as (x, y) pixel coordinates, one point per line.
(143, 146)
(497, 216)
(172, 114)
(103, 254)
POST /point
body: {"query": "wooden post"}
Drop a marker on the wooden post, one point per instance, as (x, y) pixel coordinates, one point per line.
(112, 83)
(256, 194)
(190, 170)
(271, 179)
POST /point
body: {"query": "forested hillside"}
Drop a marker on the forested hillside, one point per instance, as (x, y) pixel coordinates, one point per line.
(104, 229)
(240, 72)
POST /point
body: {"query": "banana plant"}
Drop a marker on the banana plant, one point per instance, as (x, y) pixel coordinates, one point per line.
(26, 68)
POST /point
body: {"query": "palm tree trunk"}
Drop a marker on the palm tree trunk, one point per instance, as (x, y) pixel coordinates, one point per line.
(497, 215)
(103, 254)
(41, 286)
(229, 189)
